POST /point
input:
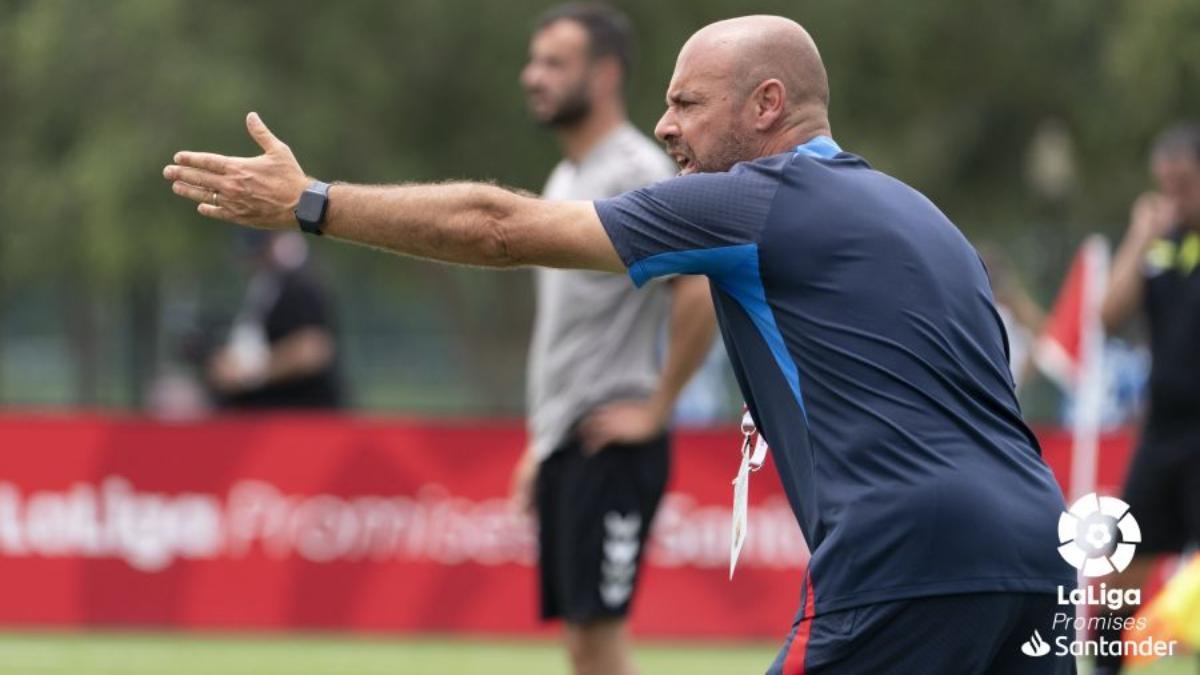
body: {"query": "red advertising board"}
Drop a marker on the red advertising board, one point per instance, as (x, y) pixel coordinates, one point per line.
(279, 522)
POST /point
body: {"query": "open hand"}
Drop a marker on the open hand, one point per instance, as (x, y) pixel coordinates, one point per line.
(257, 191)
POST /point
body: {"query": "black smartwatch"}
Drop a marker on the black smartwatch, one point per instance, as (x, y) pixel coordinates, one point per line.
(310, 212)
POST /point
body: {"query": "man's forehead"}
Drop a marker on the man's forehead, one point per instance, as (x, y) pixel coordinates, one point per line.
(678, 86)
(561, 34)
(701, 64)
(696, 72)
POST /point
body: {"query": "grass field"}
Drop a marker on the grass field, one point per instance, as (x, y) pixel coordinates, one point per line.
(174, 654)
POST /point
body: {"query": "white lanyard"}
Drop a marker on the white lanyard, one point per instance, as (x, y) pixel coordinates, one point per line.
(754, 453)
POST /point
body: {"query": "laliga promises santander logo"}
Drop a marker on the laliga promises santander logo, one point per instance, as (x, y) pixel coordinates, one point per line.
(1089, 533)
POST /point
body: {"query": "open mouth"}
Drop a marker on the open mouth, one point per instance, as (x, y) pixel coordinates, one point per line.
(682, 162)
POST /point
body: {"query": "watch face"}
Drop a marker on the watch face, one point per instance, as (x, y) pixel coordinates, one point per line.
(310, 212)
(309, 209)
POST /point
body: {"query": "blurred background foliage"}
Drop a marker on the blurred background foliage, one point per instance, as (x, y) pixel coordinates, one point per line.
(1027, 122)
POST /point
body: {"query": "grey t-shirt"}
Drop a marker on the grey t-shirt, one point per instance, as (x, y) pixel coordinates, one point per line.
(595, 337)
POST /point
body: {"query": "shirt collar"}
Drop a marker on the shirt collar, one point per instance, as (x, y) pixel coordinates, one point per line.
(822, 147)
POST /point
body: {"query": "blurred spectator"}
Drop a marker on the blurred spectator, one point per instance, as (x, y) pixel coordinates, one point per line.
(281, 351)
(599, 402)
(1157, 270)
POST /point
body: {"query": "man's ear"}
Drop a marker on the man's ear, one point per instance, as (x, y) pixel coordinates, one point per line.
(770, 100)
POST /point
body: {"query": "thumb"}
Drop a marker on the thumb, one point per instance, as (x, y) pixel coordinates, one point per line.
(260, 133)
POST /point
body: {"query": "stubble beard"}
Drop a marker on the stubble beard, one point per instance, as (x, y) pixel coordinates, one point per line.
(571, 111)
(737, 147)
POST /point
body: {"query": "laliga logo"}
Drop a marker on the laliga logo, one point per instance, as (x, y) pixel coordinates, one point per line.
(1088, 534)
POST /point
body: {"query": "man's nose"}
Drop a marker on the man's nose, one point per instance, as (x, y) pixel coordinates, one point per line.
(666, 128)
(528, 77)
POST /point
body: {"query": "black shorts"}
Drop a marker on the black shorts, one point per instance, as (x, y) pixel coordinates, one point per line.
(594, 513)
(1163, 491)
(969, 634)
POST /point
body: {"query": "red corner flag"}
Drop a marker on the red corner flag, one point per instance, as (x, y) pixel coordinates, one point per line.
(1075, 320)
(1070, 351)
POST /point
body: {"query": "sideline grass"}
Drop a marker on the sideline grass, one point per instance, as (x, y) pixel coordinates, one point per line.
(101, 653)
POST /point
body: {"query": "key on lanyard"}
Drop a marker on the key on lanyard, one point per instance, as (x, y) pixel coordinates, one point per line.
(754, 453)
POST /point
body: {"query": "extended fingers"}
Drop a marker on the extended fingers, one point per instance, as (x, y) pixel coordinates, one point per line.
(197, 194)
(198, 178)
(197, 175)
(204, 160)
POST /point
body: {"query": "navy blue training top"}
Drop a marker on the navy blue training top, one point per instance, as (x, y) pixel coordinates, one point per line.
(861, 327)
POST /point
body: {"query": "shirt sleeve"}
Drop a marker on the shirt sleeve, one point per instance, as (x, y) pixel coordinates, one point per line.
(692, 224)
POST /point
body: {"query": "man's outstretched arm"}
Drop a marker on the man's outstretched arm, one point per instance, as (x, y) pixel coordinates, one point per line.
(466, 223)
(472, 224)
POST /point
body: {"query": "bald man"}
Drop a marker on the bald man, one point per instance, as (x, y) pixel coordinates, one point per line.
(858, 320)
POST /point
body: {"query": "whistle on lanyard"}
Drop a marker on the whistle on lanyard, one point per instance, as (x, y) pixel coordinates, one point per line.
(754, 453)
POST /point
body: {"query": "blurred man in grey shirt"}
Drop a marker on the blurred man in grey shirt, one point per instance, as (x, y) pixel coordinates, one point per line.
(599, 394)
